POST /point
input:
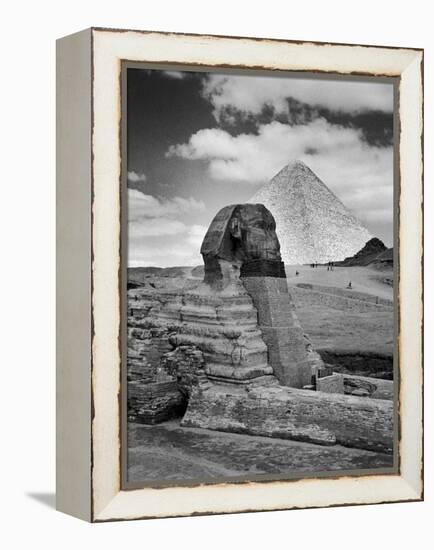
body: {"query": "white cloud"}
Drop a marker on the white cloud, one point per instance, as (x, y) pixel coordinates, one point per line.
(136, 177)
(142, 206)
(359, 174)
(182, 249)
(156, 236)
(169, 255)
(206, 144)
(250, 94)
(196, 233)
(155, 227)
(175, 74)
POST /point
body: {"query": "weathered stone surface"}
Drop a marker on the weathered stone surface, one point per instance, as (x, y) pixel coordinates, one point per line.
(263, 268)
(331, 384)
(289, 413)
(238, 234)
(151, 403)
(245, 329)
(365, 364)
(289, 351)
(169, 452)
(371, 387)
(224, 327)
(360, 392)
(368, 254)
(223, 344)
(221, 324)
(185, 364)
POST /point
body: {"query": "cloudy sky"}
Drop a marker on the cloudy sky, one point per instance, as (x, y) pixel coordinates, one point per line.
(199, 141)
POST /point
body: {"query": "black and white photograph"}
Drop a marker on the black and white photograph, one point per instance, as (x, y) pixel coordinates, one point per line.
(259, 275)
(217, 236)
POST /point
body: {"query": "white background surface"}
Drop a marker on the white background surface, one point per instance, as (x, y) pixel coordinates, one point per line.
(27, 105)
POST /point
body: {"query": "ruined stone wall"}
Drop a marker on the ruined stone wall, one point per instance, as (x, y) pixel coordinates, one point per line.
(186, 365)
(369, 387)
(160, 375)
(153, 394)
(305, 298)
(155, 402)
(180, 338)
(167, 374)
(346, 293)
(146, 346)
(366, 364)
(301, 415)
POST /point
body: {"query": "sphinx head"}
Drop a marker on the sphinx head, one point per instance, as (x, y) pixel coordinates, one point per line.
(241, 239)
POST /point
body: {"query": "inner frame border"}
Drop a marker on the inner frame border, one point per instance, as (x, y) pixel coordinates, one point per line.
(123, 275)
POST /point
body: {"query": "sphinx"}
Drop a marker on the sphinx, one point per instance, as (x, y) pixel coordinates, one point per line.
(228, 352)
(241, 239)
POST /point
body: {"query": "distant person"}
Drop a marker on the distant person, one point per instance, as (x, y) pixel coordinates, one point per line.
(350, 285)
(297, 273)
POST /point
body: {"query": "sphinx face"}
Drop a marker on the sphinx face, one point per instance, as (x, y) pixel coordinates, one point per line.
(238, 235)
(254, 229)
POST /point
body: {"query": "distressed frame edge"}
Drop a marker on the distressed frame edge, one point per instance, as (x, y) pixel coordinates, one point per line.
(410, 490)
(411, 272)
(73, 274)
(252, 38)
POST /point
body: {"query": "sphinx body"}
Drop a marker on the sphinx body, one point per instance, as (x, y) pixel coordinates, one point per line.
(241, 316)
(241, 245)
(229, 354)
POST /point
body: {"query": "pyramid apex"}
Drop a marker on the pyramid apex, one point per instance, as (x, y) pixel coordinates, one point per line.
(294, 165)
(296, 162)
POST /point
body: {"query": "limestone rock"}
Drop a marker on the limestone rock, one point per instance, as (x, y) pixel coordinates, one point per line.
(372, 250)
(231, 346)
(370, 387)
(312, 224)
(331, 384)
(185, 364)
(289, 351)
(360, 392)
(221, 324)
(245, 328)
(288, 413)
(239, 234)
(155, 402)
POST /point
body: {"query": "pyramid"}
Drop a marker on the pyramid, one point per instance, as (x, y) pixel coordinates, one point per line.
(312, 224)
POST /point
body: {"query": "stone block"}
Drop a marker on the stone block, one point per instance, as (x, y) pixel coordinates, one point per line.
(331, 384)
(286, 343)
(376, 388)
(361, 392)
(263, 268)
(288, 413)
(155, 402)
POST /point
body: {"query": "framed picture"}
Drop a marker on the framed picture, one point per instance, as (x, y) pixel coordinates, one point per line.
(239, 267)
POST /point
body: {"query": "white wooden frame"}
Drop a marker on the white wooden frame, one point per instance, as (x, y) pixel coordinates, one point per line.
(88, 206)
